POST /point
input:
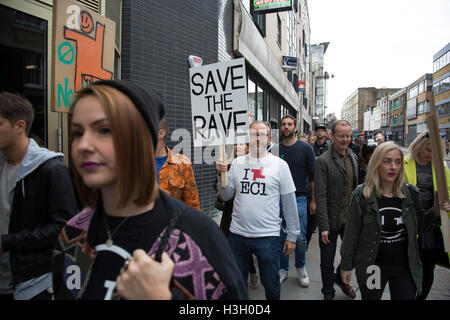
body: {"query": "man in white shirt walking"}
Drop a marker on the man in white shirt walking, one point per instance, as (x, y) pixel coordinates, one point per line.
(259, 180)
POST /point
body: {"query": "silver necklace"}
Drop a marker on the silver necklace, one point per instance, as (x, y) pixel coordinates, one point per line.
(109, 241)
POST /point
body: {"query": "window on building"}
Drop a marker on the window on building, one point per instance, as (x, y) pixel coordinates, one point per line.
(260, 103)
(443, 109)
(292, 33)
(426, 106)
(421, 88)
(420, 108)
(396, 104)
(252, 100)
(278, 31)
(412, 93)
(441, 86)
(395, 120)
(441, 62)
(258, 18)
(401, 118)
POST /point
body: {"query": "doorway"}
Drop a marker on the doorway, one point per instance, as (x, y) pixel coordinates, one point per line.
(23, 63)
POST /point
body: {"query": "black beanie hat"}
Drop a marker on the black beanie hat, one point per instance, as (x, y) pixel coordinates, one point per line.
(147, 101)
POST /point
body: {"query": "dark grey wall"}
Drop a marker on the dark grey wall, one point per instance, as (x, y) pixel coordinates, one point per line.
(157, 38)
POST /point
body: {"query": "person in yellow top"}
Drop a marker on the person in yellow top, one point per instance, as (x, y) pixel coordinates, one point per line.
(419, 171)
(175, 173)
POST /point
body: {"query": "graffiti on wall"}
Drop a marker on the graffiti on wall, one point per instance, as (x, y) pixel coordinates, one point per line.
(83, 43)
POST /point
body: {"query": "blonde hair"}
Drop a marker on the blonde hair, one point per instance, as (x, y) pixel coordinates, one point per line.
(373, 181)
(419, 144)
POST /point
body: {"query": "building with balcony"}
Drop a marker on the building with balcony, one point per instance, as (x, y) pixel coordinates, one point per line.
(360, 101)
(441, 89)
(397, 107)
(419, 100)
(320, 76)
(383, 105)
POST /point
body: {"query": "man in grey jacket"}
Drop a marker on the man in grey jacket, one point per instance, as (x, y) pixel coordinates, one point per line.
(336, 177)
(36, 199)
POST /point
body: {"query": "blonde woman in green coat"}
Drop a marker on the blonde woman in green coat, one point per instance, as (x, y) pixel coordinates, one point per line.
(419, 171)
(380, 239)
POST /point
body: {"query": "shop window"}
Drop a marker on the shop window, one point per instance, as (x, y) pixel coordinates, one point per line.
(251, 96)
(24, 71)
(260, 103)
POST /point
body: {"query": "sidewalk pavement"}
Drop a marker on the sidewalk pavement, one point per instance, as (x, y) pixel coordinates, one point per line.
(291, 290)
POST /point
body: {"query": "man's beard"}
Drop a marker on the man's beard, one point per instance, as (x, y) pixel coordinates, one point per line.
(289, 135)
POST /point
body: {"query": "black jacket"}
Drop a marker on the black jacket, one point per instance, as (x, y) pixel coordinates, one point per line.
(207, 254)
(42, 203)
(319, 149)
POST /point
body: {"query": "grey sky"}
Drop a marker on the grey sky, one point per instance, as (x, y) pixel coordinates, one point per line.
(384, 43)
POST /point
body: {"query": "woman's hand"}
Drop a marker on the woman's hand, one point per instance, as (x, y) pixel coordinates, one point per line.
(346, 276)
(143, 278)
(440, 206)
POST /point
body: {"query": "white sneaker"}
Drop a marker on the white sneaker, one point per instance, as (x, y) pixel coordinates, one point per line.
(254, 280)
(283, 275)
(303, 277)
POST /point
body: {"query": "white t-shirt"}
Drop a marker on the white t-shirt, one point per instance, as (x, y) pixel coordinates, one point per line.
(258, 185)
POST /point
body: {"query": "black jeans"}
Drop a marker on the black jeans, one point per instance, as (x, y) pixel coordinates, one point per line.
(429, 258)
(401, 284)
(311, 226)
(327, 254)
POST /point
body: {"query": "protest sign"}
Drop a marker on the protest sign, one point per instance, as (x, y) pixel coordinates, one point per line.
(219, 103)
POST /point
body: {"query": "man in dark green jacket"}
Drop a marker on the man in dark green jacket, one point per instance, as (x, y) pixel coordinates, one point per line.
(335, 178)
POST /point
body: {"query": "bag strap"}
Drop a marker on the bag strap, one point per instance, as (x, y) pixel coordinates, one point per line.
(162, 245)
(167, 232)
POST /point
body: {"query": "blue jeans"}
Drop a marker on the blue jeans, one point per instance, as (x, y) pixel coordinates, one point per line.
(265, 249)
(301, 245)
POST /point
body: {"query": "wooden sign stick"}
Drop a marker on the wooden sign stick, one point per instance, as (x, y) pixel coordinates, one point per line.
(439, 170)
(223, 158)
